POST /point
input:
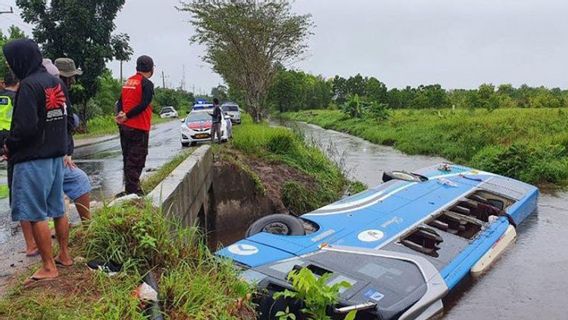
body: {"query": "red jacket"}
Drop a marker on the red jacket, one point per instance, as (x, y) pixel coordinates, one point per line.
(131, 99)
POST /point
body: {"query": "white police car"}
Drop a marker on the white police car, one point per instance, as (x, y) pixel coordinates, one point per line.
(196, 127)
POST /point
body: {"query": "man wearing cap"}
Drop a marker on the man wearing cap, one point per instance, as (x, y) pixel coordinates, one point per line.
(135, 120)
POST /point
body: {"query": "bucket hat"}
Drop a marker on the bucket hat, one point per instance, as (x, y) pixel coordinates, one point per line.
(67, 67)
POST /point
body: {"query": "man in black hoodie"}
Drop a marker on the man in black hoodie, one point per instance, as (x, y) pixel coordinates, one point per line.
(36, 146)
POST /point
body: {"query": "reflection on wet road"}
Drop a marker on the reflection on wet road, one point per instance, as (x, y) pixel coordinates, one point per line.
(103, 161)
(528, 282)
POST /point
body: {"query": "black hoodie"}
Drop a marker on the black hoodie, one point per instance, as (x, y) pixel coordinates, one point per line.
(39, 120)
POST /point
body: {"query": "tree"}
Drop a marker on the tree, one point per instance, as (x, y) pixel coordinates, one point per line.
(340, 90)
(108, 93)
(80, 30)
(246, 40)
(353, 107)
(177, 98)
(487, 97)
(122, 50)
(376, 90)
(285, 92)
(357, 85)
(12, 34)
(220, 92)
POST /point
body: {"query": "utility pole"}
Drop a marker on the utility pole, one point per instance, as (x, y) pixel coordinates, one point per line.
(11, 11)
(121, 78)
(163, 80)
(182, 84)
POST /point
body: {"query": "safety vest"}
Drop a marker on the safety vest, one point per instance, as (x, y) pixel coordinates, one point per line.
(6, 109)
(131, 97)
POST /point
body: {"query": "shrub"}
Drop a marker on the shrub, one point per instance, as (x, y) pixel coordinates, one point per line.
(140, 238)
(281, 143)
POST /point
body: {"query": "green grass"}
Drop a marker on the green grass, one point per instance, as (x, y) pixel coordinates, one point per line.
(281, 145)
(527, 144)
(193, 284)
(4, 191)
(105, 125)
(150, 182)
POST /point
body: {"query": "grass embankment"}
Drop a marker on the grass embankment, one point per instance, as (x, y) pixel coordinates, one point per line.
(279, 145)
(527, 144)
(150, 182)
(193, 284)
(106, 125)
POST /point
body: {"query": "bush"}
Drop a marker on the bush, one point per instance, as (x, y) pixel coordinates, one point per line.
(281, 143)
(141, 238)
(378, 111)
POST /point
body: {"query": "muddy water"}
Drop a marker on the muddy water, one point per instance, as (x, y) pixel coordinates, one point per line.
(530, 281)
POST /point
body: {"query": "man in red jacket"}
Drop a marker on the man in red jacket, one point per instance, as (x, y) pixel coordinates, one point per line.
(135, 119)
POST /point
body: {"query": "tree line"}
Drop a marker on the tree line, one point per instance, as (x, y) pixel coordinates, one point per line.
(295, 90)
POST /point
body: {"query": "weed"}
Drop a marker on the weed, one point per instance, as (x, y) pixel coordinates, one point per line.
(314, 292)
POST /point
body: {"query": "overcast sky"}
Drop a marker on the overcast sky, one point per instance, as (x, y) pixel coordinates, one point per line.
(457, 43)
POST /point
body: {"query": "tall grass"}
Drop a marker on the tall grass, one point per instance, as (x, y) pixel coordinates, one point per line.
(282, 145)
(193, 284)
(527, 144)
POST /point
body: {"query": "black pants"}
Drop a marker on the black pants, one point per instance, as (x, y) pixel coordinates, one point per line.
(134, 145)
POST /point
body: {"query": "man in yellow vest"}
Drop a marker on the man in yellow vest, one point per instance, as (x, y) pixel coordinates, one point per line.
(7, 96)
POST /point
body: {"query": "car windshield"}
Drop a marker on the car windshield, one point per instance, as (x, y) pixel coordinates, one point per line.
(231, 108)
(198, 116)
(167, 109)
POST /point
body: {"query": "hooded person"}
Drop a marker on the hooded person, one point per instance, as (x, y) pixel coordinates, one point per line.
(36, 146)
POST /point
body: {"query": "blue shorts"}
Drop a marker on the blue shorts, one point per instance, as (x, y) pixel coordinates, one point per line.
(75, 183)
(37, 190)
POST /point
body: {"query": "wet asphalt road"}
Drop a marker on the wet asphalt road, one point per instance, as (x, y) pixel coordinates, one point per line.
(530, 279)
(103, 161)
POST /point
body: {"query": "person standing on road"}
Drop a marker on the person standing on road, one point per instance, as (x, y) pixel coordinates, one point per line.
(7, 98)
(36, 146)
(135, 120)
(216, 119)
(76, 184)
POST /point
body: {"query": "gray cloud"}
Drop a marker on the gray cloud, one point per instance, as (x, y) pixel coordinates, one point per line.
(457, 43)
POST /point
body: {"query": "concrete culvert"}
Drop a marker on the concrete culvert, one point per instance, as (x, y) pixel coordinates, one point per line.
(282, 224)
